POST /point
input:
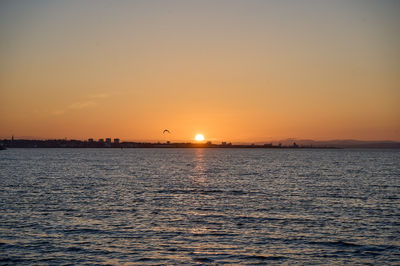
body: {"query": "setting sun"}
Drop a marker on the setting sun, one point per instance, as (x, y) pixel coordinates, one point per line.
(199, 137)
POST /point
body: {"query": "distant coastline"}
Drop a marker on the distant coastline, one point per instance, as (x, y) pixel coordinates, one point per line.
(108, 143)
(281, 144)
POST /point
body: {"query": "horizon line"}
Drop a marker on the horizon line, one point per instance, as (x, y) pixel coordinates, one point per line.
(211, 140)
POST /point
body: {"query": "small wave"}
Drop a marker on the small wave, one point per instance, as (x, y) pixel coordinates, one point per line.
(237, 192)
(190, 191)
(249, 219)
(5, 245)
(339, 243)
(214, 234)
(205, 260)
(371, 250)
(211, 191)
(5, 261)
(203, 191)
(146, 259)
(85, 230)
(261, 257)
(75, 249)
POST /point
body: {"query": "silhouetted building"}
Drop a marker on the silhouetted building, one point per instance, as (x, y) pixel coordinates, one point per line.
(90, 140)
(101, 140)
(107, 144)
(116, 141)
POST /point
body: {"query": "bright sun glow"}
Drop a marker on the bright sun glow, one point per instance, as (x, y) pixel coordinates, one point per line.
(199, 137)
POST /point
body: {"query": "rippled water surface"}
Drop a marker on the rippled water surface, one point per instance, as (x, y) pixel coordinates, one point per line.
(199, 206)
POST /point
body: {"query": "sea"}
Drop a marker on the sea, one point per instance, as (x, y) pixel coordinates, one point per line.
(199, 206)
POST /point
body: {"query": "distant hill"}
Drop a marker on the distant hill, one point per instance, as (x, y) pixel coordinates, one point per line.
(346, 143)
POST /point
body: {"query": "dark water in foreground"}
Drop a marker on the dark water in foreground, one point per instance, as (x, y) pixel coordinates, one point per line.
(199, 206)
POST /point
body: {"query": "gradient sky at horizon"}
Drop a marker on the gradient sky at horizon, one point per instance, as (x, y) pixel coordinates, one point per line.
(232, 70)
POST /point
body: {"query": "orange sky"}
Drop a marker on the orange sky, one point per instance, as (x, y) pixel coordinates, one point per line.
(238, 71)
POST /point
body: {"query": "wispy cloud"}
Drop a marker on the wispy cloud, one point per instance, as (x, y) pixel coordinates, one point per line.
(89, 102)
(81, 105)
(99, 96)
(58, 112)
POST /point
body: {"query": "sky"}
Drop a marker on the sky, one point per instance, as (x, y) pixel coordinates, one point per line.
(240, 71)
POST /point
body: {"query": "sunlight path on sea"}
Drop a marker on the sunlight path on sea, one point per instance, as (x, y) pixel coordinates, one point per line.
(199, 206)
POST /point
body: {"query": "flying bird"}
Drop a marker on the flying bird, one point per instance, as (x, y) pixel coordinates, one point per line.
(166, 131)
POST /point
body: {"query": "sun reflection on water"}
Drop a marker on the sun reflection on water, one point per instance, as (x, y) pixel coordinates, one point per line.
(198, 174)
